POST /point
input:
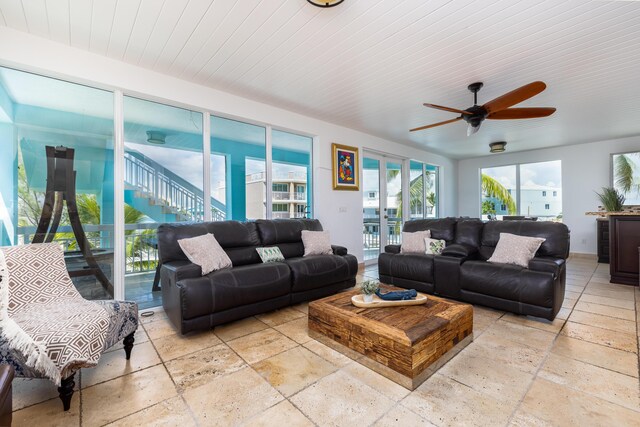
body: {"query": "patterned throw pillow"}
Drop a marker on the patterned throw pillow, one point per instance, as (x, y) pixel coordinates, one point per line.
(316, 243)
(206, 252)
(434, 246)
(516, 250)
(271, 254)
(413, 243)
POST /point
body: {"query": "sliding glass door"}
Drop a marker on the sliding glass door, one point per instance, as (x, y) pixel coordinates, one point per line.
(382, 183)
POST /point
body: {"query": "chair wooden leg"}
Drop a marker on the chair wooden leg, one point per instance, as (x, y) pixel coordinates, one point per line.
(128, 344)
(66, 391)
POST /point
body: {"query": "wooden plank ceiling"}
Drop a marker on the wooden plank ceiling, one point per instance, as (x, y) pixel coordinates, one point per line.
(370, 65)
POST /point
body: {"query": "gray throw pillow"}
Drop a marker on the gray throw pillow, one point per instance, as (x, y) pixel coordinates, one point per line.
(413, 243)
(316, 243)
(206, 252)
(516, 250)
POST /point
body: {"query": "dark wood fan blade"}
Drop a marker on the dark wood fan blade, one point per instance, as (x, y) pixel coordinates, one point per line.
(514, 97)
(521, 113)
(452, 110)
(436, 124)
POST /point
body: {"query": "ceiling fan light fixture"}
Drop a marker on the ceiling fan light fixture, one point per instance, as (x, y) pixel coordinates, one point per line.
(156, 137)
(325, 3)
(472, 129)
(497, 147)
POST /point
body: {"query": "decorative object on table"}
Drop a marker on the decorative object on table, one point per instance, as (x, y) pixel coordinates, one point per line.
(345, 166)
(612, 200)
(358, 301)
(409, 294)
(325, 3)
(370, 287)
(68, 332)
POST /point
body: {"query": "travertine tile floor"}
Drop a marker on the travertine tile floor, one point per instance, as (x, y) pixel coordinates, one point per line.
(581, 369)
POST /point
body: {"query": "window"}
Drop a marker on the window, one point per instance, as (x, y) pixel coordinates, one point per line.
(522, 190)
(626, 176)
(163, 183)
(243, 145)
(280, 187)
(39, 112)
(280, 207)
(291, 164)
(423, 190)
(497, 186)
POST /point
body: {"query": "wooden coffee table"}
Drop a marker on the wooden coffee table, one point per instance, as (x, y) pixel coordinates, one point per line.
(405, 344)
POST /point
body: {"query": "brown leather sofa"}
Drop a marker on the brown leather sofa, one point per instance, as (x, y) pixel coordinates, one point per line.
(462, 271)
(6, 378)
(196, 302)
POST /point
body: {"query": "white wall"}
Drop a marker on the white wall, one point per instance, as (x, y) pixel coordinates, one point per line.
(339, 211)
(586, 168)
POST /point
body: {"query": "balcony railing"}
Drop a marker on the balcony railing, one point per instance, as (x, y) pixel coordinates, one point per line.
(371, 235)
(285, 195)
(140, 243)
(165, 187)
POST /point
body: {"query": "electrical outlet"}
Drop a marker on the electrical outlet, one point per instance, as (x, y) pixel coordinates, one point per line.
(342, 209)
(584, 242)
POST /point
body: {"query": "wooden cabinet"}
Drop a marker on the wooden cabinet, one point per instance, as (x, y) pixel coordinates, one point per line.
(624, 236)
(603, 239)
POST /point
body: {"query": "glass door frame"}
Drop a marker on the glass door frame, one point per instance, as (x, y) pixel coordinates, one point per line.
(383, 159)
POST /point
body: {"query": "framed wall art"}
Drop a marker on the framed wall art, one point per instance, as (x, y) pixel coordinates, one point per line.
(345, 168)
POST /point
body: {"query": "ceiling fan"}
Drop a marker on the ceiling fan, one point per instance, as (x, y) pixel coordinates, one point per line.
(498, 109)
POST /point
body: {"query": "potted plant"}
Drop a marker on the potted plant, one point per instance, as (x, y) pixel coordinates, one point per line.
(612, 200)
(369, 287)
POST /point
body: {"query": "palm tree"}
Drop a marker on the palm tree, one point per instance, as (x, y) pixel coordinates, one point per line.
(491, 187)
(416, 191)
(626, 173)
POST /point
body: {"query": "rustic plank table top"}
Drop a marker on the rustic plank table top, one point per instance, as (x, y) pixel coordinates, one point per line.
(406, 344)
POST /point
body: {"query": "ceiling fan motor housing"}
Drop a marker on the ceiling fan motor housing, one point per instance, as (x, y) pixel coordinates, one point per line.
(478, 114)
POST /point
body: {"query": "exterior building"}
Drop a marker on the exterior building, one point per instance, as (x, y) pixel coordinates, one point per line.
(540, 201)
(289, 197)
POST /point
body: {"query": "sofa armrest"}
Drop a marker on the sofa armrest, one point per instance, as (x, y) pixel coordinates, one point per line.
(175, 271)
(460, 250)
(339, 250)
(392, 249)
(547, 264)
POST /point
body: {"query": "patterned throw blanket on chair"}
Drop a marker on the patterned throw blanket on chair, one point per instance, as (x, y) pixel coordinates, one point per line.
(47, 330)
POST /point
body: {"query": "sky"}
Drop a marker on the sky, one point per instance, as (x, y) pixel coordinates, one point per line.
(543, 174)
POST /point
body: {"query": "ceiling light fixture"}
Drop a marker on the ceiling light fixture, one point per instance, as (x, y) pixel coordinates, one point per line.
(497, 147)
(156, 137)
(325, 3)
